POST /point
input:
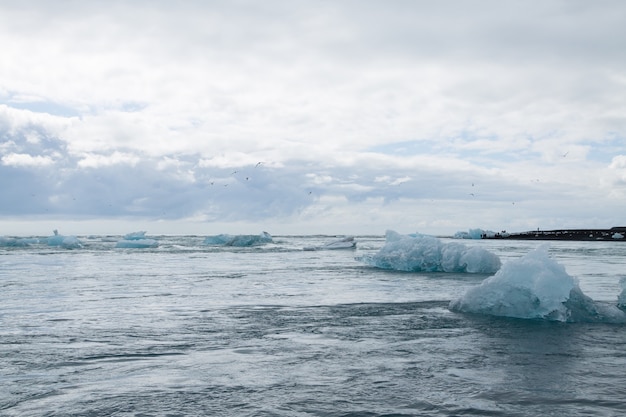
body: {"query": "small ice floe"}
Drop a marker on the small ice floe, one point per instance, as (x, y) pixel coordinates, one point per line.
(136, 240)
(238, 240)
(67, 242)
(17, 242)
(537, 287)
(422, 253)
(345, 243)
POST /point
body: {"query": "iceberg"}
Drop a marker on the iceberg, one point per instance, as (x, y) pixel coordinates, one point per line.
(136, 240)
(474, 234)
(67, 242)
(137, 243)
(536, 287)
(17, 242)
(422, 253)
(239, 240)
(345, 243)
(135, 235)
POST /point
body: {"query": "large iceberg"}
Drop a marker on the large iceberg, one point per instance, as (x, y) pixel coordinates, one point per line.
(238, 240)
(136, 240)
(422, 253)
(536, 287)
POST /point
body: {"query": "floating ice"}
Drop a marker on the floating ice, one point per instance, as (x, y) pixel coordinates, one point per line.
(416, 253)
(67, 242)
(136, 240)
(17, 242)
(137, 243)
(135, 235)
(474, 234)
(239, 240)
(345, 243)
(535, 287)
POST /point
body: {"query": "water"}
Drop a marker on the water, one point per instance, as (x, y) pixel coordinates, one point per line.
(190, 330)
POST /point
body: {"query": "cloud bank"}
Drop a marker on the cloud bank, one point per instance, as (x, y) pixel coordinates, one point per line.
(312, 117)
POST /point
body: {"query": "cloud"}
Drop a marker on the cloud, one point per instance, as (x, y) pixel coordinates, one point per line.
(436, 114)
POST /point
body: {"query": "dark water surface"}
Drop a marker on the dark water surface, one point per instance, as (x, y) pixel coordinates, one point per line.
(186, 330)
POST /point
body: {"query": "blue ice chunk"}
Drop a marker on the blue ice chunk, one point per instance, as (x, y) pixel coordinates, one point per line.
(17, 242)
(136, 240)
(239, 240)
(137, 243)
(67, 242)
(474, 234)
(135, 235)
(536, 287)
(423, 253)
(218, 239)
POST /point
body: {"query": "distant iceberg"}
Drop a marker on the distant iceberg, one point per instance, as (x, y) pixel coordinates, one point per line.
(536, 287)
(17, 242)
(135, 235)
(67, 242)
(239, 240)
(136, 240)
(345, 243)
(473, 234)
(137, 244)
(422, 253)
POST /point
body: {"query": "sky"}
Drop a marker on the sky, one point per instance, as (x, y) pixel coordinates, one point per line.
(311, 117)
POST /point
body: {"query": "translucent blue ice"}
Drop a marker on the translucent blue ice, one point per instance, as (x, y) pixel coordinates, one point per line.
(536, 287)
(67, 242)
(136, 240)
(239, 240)
(421, 253)
(137, 243)
(135, 235)
(17, 242)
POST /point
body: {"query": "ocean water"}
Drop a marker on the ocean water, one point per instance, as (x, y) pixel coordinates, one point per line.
(186, 329)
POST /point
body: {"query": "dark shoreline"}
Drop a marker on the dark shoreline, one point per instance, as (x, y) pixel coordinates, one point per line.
(613, 234)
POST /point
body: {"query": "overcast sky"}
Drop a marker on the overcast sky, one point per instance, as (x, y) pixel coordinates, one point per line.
(335, 117)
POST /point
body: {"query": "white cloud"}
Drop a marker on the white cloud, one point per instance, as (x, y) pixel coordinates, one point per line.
(26, 160)
(618, 162)
(411, 111)
(115, 158)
